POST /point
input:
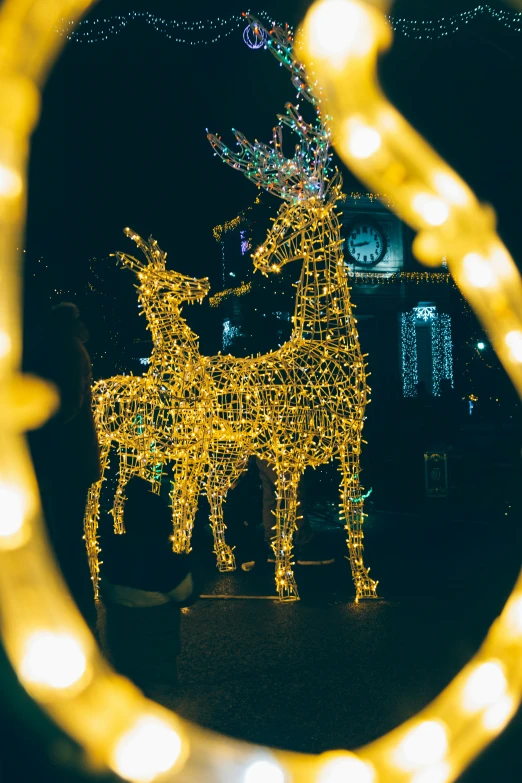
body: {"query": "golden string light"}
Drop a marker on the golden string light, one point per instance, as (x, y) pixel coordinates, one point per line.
(50, 649)
(302, 405)
(229, 225)
(221, 296)
(159, 417)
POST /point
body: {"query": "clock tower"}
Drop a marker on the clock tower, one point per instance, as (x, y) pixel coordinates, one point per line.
(373, 235)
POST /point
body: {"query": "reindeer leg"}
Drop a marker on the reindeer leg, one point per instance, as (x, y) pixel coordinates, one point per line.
(352, 508)
(223, 473)
(286, 513)
(186, 486)
(125, 472)
(92, 516)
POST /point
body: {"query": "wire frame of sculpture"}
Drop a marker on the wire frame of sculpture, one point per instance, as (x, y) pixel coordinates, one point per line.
(303, 404)
(161, 416)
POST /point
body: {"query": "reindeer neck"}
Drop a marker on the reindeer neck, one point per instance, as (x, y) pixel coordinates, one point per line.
(171, 337)
(323, 310)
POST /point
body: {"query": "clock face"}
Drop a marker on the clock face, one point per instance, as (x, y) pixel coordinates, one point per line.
(366, 243)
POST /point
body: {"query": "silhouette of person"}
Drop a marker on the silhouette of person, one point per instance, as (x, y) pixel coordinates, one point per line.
(143, 586)
(65, 451)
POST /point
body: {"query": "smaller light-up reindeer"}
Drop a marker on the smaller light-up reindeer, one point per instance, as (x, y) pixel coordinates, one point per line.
(302, 405)
(162, 415)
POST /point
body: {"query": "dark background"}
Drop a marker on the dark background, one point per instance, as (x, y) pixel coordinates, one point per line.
(122, 142)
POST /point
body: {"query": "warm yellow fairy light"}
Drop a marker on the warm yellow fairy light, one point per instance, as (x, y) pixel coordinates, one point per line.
(514, 618)
(11, 514)
(424, 745)
(437, 773)
(346, 768)
(5, 344)
(147, 750)
(497, 715)
(10, 182)
(449, 187)
(432, 209)
(264, 771)
(478, 270)
(514, 342)
(362, 140)
(100, 716)
(52, 659)
(485, 685)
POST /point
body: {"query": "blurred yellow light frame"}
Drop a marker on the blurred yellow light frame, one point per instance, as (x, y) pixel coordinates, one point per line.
(51, 650)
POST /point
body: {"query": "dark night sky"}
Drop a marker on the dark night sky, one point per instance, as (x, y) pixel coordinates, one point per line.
(122, 140)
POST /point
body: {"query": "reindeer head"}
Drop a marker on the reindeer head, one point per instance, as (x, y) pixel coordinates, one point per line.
(155, 279)
(294, 229)
(298, 179)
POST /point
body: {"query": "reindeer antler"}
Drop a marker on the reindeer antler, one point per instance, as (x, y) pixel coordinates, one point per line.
(304, 175)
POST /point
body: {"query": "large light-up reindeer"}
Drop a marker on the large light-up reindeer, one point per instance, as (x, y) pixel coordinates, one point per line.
(302, 405)
(162, 415)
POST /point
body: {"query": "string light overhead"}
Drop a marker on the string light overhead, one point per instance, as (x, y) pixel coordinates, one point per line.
(210, 31)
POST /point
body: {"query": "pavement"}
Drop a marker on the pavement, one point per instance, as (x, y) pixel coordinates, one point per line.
(325, 673)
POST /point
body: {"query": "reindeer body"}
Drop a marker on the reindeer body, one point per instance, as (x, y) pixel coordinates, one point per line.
(302, 405)
(160, 416)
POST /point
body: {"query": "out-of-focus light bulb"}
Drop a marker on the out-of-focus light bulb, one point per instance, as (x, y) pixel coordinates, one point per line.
(346, 768)
(150, 748)
(514, 618)
(423, 746)
(434, 211)
(11, 511)
(264, 771)
(5, 344)
(485, 685)
(497, 715)
(337, 29)
(513, 341)
(449, 187)
(481, 346)
(52, 659)
(478, 271)
(362, 141)
(438, 773)
(10, 182)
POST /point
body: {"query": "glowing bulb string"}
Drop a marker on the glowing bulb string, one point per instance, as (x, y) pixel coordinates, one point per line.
(209, 31)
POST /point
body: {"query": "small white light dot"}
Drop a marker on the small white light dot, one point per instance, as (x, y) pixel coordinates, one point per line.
(343, 769)
(264, 771)
(485, 685)
(423, 746)
(478, 271)
(52, 659)
(147, 750)
(513, 341)
(432, 209)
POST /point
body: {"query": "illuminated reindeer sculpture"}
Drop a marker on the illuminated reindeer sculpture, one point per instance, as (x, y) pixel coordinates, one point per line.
(161, 416)
(302, 405)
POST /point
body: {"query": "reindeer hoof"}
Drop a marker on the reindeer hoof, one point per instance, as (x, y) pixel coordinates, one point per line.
(287, 589)
(226, 560)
